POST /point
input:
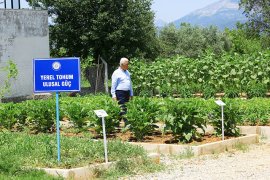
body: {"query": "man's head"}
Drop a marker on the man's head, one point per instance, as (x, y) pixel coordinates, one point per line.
(124, 63)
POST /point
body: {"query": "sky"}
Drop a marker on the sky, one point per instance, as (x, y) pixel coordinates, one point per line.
(166, 10)
(170, 10)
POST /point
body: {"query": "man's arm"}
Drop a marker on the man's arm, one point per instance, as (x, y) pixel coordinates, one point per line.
(131, 88)
(114, 84)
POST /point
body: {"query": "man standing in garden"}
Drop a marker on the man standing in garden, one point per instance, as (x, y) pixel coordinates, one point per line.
(121, 89)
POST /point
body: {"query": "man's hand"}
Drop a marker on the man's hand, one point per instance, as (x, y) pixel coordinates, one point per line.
(114, 98)
(130, 97)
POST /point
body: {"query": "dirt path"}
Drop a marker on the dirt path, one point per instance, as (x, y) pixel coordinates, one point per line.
(247, 162)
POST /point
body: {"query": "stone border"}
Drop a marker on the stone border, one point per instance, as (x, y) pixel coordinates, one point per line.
(209, 148)
(221, 146)
(262, 131)
(80, 173)
(88, 172)
(252, 136)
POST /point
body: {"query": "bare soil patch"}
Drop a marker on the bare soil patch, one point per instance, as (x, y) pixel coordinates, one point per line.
(156, 137)
(167, 138)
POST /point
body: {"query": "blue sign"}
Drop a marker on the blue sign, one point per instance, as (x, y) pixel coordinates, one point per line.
(56, 75)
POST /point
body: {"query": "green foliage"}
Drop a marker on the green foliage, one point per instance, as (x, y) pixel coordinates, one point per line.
(78, 113)
(242, 147)
(41, 115)
(257, 12)
(108, 28)
(231, 92)
(141, 116)
(11, 73)
(86, 64)
(183, 117)
(20, 150)
(143, 113)
(169, 39)
(31, 174)
(112, 108)
(8, 115)
(187, 154)
(255, 89)
(208, 91)
(12, 159)
(242, 41)
(142, 85)
(231, 117)
(232, 74)
(192, 41)
(255, 111)
(125, 167)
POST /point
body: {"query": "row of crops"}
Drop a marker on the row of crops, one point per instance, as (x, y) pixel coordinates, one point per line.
(182, 117)
(229, 74)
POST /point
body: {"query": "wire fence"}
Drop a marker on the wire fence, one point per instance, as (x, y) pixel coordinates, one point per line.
(97, 76)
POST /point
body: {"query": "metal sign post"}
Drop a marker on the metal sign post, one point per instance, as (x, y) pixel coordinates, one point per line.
(56, 75)
(57, 126)
(222, 122)
(221, 104)
(101, 113)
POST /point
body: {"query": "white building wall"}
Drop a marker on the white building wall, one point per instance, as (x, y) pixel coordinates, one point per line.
(24, 35)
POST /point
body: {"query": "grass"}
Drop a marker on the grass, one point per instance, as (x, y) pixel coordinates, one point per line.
(187, 154)
(18, 150)
(241, 147)
(29, 175)
(127, 167)
(263, 137)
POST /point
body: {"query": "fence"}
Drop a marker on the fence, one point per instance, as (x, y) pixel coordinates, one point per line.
(98, 77)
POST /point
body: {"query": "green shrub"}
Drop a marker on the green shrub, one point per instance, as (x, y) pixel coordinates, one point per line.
(255, 111)
(141, 116)
(255, 89)
(208, 74)
(183, 117)
(41, 115)
(78, 113)
(232, 116)
(9, 114)
(111, 107)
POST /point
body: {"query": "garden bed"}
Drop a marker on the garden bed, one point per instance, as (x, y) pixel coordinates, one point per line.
(92, 171)
(158, 138)
(22, 153)
(168, 144)
(196, 150)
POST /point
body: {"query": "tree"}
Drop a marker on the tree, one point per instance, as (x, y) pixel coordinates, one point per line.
(258, 13)
(243, 40)
(192, 41)
(109, 28)
(168, 40)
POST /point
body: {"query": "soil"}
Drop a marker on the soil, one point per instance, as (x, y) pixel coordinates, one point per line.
(156, 137)
(159, 138)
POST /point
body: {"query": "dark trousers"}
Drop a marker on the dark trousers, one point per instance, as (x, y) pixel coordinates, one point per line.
(122, 97)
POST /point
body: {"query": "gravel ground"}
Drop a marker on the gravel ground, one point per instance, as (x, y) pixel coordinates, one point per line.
(248, 162)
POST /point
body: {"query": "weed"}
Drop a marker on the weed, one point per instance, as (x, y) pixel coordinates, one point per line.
(263, 137)
(125, 167)
(241, 147)
(19, 150)
(215, 155)
(187, 154)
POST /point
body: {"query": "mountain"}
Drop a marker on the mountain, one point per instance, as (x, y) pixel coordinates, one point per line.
(224, 13)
